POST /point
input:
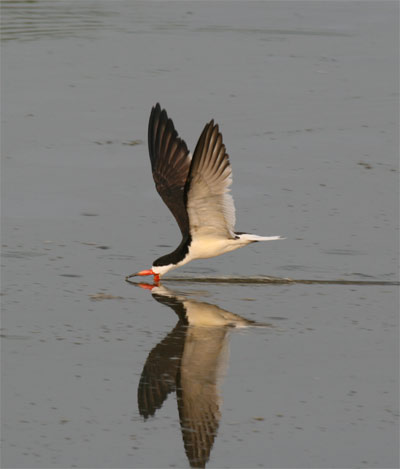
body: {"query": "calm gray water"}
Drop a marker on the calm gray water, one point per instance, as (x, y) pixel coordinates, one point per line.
(100, 373)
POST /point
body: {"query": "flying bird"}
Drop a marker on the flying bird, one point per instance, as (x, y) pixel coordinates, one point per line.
(196, 190)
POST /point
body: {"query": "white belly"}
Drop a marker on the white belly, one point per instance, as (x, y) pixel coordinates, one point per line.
(205, 247)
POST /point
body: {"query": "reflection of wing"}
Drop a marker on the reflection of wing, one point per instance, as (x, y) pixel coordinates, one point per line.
(191, 360)
(160, 370)
(203, 364)
(199, 313)
(199, 427)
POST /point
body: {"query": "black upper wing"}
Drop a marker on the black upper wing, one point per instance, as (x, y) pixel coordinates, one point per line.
(170, 163)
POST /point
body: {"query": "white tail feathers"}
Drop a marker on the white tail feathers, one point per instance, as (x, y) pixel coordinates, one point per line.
(253, 237)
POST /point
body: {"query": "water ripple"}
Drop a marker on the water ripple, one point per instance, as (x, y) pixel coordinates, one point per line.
(29, 20)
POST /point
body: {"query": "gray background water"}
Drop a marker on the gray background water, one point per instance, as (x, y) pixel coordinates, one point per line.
(306, 95)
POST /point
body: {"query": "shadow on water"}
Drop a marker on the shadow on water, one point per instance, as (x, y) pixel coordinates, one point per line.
(191, 361)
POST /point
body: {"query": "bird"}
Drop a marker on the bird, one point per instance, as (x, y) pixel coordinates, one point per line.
(196, 189)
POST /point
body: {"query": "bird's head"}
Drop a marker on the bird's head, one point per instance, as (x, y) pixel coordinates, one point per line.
(157, 270)
(142, 273)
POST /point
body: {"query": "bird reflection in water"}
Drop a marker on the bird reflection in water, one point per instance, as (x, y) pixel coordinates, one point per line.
(191, 360)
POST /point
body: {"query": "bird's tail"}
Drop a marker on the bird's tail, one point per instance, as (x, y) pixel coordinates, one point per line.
(253, 237)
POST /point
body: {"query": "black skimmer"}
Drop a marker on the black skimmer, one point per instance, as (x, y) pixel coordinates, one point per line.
(196, 190)
(191, 361)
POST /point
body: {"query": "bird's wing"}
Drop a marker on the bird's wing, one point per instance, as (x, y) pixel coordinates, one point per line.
(209, 203)
(170, 163)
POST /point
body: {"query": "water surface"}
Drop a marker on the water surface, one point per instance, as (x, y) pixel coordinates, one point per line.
(306, 95)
